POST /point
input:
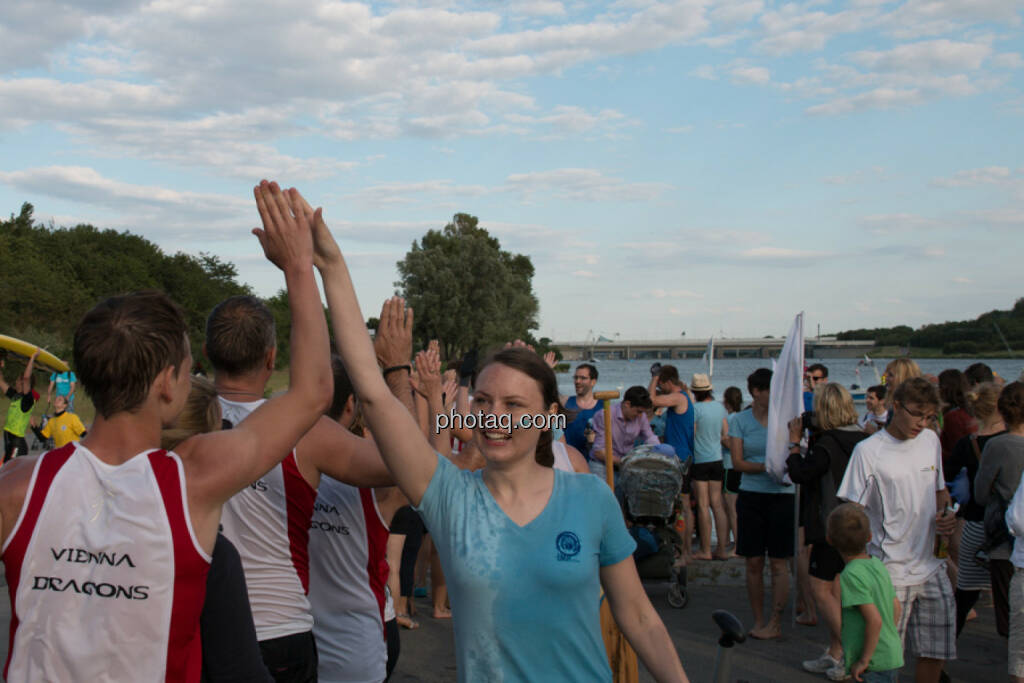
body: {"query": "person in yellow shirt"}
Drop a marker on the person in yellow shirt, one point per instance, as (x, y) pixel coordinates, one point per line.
(65, 426)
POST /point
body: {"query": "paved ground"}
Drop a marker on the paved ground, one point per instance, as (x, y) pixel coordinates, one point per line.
(428, 654)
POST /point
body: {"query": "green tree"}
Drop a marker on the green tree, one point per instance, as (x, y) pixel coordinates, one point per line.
(466, 291)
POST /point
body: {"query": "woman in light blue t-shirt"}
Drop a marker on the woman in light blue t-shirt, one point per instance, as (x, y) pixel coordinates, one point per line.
(764, 510)
(521, 544)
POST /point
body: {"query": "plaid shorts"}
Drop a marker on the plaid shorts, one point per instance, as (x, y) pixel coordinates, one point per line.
(1016, 645)
(928, 621)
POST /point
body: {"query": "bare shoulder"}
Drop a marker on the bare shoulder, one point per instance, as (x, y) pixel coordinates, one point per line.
(327, 436)
(14, 479)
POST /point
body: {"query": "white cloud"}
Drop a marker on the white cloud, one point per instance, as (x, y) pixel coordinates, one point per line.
(782, 254)
(705, 72)
(201, 216)
(897, 223)
(926, 56)
(582, 184)
(934, 251)
(584, 273)
(750, 75)
(992, 175)
(960, 280)
(1008, 60)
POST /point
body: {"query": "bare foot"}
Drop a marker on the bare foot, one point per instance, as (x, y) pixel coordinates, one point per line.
(442, 613)
(701, 556)
(405, 622)
(722, 555)
(807, 619)
(768, 632)
(972, 615)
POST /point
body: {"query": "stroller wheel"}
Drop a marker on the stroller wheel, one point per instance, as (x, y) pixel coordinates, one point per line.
(677, 596)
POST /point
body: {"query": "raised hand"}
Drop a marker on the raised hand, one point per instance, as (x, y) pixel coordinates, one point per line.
(428, 365)
(551, 359)
(449, 389)
(393, 341)
(286, 236)
(326, 252)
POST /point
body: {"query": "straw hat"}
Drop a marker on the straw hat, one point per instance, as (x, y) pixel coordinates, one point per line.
(700, 382)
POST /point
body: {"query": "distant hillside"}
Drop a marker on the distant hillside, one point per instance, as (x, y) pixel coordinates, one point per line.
(51, 276)
(965, 337)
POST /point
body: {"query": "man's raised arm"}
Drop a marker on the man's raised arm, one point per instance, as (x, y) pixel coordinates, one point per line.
(223, 463)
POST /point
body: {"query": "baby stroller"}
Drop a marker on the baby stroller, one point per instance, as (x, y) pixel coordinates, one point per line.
(649, 482)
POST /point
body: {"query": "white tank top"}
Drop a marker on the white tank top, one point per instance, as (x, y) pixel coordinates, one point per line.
(268, 522)
(348, 574)
(562, 461)
(106, 577)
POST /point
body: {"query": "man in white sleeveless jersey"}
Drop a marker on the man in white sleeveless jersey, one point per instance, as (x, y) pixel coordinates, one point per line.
(269, 522)
(107, 542)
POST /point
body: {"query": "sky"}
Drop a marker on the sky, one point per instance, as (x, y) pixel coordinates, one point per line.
(707, 167)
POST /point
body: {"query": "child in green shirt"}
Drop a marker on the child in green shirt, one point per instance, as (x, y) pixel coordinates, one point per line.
(874, 652)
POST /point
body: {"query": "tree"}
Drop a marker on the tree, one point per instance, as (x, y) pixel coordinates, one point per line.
(466, 291)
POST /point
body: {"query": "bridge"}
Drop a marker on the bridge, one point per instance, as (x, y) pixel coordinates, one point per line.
(667, 349)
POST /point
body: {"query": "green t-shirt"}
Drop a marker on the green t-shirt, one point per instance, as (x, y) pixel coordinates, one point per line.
(863, 582)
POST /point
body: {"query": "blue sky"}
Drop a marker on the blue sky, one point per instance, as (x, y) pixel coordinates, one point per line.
(701, 166)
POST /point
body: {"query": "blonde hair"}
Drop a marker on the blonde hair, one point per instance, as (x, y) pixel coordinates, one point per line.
(201, 414)
(984, 399)
(834, 407)
(901, 370)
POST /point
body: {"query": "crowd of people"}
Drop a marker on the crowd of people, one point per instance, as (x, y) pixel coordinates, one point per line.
(232, 536)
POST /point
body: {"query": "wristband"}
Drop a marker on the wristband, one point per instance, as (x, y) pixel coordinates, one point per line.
(396, 368)
(794, 444)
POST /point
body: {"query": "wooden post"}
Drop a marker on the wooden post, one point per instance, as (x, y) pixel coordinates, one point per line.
(609, 459)
(621, 657)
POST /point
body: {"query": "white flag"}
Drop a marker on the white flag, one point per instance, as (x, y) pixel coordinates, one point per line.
(710, 356)
(787, 400)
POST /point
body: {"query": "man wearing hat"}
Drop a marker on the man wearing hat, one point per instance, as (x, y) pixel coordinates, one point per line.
(629, 423)
(711, 426)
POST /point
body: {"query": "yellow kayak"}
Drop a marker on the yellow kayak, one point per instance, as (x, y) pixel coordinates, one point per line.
(24, 349)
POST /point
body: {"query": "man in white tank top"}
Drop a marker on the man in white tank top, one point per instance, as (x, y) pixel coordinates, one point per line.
(269, 521)
(106, 543)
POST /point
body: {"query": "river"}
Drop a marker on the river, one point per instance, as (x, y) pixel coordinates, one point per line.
(621, 374)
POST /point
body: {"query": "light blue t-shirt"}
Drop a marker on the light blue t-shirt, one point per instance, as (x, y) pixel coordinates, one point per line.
(745, 426)
(526, 600)
(63, 381)
(707, 431)
(726, 453)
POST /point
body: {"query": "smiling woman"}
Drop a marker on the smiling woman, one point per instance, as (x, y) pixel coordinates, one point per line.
(520, 542)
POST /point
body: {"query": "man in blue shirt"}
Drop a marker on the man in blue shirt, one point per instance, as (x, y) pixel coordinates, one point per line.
(64, 383)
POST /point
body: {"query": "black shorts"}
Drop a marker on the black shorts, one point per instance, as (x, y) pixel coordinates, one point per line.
(764, 524)
(707, 471)
(732, 481)
(826, 562)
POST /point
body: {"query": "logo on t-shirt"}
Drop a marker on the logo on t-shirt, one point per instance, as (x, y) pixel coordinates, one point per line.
(568, 546)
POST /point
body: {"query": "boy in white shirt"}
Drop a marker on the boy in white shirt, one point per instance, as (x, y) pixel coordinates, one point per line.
(897, 476)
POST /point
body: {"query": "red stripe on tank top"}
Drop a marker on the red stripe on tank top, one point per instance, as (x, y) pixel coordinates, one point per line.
(184, 646)
(14, 555)
(300, 498)
(376, 547)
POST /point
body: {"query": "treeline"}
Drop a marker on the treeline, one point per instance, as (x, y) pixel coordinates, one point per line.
(49, 277)
(965, 337)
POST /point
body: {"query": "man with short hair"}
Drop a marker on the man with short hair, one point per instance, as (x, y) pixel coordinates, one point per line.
(669, 392)
(877, 414)
(896, 474)
(269, 521)
(817, 375)
(108, 542)
(629, 423)
(583, 405)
